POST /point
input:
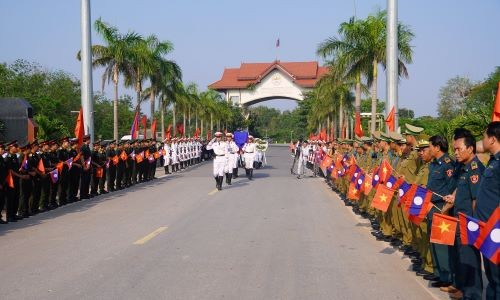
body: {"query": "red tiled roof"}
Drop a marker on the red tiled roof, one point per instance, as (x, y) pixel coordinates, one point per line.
(304, 74)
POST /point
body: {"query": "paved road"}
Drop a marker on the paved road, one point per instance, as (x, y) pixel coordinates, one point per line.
(276, 237)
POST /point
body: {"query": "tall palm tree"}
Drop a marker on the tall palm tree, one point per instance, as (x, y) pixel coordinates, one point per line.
(149, 63)
(115, 57)
(362, 47)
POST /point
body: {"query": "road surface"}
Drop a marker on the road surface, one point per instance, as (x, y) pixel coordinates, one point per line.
(275, 237)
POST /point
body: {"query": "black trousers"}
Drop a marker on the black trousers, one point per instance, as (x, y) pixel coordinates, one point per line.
(111, 177)
(45, 191)
(12, 199)
(85, 183)
(102, 180)
(37, 193)
(74, 182)
(63, 185)
(26, 190)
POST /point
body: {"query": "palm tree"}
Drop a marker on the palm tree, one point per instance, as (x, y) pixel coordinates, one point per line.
(115, 57)
(149, 63)
(362, 47)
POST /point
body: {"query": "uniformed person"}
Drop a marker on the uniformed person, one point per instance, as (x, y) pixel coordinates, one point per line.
(466, 259)
(12, 193)
(232, 157)
(96, 168)
(488, 200)
(220, 151)
(110, 155)
(36, 178)
(426, 269)
(63, 156)
(249, 154)
(441, 182)
(75, 171)
(26, 184)
(54, 186)
(3, 176)
(45, 177)
(86, 161)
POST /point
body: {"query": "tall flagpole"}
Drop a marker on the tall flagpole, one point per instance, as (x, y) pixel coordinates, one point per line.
(392, 60)
(86, 56)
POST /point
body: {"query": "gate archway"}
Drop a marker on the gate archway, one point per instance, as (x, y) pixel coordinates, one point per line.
(252, 83)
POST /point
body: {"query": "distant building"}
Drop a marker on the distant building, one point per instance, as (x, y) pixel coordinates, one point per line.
(17, 118)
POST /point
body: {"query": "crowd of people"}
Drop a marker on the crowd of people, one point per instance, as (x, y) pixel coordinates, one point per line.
(43, 175)
(422, 180)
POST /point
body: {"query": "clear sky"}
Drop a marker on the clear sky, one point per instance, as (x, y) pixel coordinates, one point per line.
(453, 37)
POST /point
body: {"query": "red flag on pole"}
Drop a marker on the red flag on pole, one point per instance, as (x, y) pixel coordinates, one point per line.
(382, 198)
(10, 179)
(135, 126)
(144, 123)
(41, 167)
(168, 132)
(79, 128)
(153, 130)
(443, 229)
(496, 107)
(391, 119)
(358, 129)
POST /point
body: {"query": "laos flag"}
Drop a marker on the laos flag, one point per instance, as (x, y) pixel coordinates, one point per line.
(489, 238)
(404, 187)
(359, 181)
(469, 229)
(54, 176)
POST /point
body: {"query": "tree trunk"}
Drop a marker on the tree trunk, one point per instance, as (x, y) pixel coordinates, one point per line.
(162, 119)
(341, 118)
(211, 123)
(357, 100)
(152, 103)
(184, 122)
(174, 128)
(115, 105)
(374, 96)
(201, 127)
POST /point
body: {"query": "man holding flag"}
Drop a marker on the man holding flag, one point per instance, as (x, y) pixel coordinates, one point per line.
(466, 259)
(441, 182)
(488, 200)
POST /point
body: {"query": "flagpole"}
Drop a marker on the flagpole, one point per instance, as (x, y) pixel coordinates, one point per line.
(392, 60)
(86, 56)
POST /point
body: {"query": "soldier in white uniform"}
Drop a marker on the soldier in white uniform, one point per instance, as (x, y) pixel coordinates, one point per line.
(249, 154)
(175, 156)
(220, 150)
(232, 157)
(167, 155)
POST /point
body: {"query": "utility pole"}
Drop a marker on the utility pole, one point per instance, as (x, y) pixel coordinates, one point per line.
(392, 60)
(86, 56)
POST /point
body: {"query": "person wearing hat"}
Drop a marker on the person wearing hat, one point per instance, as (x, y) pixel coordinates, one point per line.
(37, 177)
(219, 148)
(74, 171)
(423, 245)
(232, 157)
(63, 156)
(167, 156)
(54, 161)
(12, 193)
(111, 166)
(86, 161)
(26, 184)
(3, 176)
(44, 176)
(249, 154)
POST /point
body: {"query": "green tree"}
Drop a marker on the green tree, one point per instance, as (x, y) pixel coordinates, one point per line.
(116, 57)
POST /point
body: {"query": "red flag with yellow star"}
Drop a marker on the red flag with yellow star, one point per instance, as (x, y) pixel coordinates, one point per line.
(443, 229)
(382, 198)
(367, 185)
(384, 172)
(353, 193)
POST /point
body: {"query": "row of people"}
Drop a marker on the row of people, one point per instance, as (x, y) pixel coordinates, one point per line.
(42, 176)
(459, 185)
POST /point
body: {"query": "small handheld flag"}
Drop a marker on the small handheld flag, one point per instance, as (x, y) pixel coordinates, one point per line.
(443, 229)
